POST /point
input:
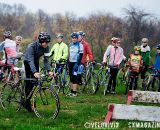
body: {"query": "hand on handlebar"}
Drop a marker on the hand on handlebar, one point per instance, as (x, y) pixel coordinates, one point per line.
(37, 75)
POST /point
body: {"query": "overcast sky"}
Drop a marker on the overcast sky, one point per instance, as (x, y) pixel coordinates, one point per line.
(86, 7)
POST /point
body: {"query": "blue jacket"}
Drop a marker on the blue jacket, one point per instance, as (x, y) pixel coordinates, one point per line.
(33, 52)
(157, 62)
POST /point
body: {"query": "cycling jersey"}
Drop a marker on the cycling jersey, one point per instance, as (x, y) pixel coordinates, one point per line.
(86, 52)
(115, 55)
(157, 62)
(145, 53)
(32, 55)
(135, 62)
(9, 47)
(59, 51)
(74, 50)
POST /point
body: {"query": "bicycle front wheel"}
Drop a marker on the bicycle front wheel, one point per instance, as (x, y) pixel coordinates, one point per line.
(10, 97)
(46, 103)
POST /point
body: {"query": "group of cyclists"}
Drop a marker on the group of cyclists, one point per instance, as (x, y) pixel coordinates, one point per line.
(76, 53)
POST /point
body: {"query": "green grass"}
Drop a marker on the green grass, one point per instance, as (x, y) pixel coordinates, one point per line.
(74, 113)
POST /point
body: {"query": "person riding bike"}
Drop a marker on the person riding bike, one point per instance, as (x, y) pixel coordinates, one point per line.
(75, 57)
(8, 46)
(135, 63)
(145, 53)
(115, 54)
(31, 62)
(156, 66)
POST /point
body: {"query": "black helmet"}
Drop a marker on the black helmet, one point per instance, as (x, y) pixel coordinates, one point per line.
(44, 37)
(158, 46)
(74, 35)
(7, 34)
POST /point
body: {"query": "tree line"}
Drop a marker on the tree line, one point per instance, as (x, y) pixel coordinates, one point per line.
(99, 27)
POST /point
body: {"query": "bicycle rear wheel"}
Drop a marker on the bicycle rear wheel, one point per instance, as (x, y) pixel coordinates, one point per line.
(10, 97)
(46, 103)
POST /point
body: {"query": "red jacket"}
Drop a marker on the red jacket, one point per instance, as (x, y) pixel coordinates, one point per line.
(86, 51)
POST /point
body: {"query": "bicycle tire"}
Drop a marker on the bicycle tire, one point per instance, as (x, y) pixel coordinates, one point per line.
(46, 103)
(10, 96)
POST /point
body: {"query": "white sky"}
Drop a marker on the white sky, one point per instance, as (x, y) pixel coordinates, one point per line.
(86, 7)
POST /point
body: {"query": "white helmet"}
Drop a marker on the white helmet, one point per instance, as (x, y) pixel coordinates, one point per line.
(145, 40)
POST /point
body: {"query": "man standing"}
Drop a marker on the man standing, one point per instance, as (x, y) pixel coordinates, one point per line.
(31, 62)
(75, 57)
(115, 54)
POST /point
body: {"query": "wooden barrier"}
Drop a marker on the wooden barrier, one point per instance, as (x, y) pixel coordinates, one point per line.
(133, 112)
(143, 96)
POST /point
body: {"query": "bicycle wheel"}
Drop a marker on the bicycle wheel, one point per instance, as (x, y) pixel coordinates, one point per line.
(46, 103)
(106, 85)
(65, 82)
(92, 85)
(10, 97)
(56, 84)
(120, 77)
(146, 83)
(127, 84)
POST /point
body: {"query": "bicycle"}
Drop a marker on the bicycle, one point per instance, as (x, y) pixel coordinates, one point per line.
(61, 76)
(131, 80)
(45, 101)
(101, 78)
(123, 75)
(152, 80)
(88, 77)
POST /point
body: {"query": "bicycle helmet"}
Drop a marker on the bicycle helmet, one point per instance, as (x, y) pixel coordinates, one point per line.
(44, 37)
(81, 33)
(145, 40)
(137, 48)
(18, 38)
(158, 46)
(74, 35)
(59, 35)
(7, 34)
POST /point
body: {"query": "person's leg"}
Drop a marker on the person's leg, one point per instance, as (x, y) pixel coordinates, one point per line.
(115, 72)
(136, 81)
(110, 80)
(28, 86)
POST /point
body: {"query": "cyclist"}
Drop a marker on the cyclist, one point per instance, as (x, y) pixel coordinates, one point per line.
(9, 48)
(145, 53)
(59, 50)
(87, 53)
(157, 66)
(86, 48)
(135, 64)
(31, 62)
(75, 57)
(115, 54)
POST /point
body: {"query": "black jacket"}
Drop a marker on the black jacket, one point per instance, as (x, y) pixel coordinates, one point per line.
(32, 54)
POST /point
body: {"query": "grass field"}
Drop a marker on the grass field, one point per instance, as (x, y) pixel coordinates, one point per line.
(74, 113)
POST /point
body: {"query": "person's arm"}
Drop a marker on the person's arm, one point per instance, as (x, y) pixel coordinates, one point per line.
(80, 54)
(106, 54)
(65, 53)
(30, 52)
(51, 53)
(46, 61)
(89, 52)
(121, 56)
